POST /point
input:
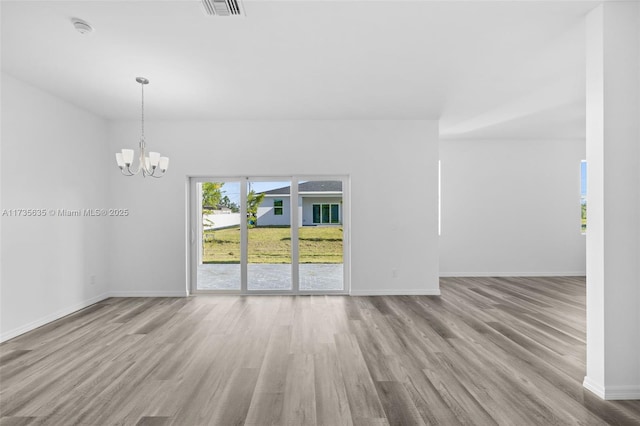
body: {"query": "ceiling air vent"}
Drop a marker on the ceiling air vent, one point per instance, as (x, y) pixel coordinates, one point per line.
(222, 7)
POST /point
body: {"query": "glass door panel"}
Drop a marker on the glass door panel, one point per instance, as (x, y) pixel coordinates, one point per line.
(268, 235)
(325, 213)
(335, 213)
(320, 235)
(219, 262)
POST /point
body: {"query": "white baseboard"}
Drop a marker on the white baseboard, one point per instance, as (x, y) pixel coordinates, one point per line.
(182, 293)
(594, 387)
(394, 292)
(513, 274)
(52, 317)
(611, 393)
(621, 392)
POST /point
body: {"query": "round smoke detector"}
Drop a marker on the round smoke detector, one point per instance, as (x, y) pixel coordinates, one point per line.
(81, 26)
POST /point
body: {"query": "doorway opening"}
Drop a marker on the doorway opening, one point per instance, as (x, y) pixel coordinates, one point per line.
(276, 235)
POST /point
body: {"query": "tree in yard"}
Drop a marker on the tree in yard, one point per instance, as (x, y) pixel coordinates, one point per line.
(226, 202)
(253, 201)
(211, 196)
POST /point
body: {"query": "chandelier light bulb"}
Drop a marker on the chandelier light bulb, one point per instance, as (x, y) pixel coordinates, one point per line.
(164, 163)
(154, 159)
(127, 157)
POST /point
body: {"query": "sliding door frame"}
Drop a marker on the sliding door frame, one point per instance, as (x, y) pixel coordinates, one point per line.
(194, 234)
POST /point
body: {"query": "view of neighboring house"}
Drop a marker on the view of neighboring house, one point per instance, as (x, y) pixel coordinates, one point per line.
(319, 204)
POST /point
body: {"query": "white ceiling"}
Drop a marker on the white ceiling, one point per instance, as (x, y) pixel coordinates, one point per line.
(485, 69)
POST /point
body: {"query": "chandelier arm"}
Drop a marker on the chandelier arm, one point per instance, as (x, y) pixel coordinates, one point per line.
(136, 172)
(157, 176)
(155, 172)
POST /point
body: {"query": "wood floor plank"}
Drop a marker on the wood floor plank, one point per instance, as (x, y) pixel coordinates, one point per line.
(456, 394)
(153, 421)
(268, 397)
(18, 421)
(236, 398)
(430, 404)
(332, 404)
(266, 409)
(299, 406)
(504, 350)
(361, 392)
(398, 405)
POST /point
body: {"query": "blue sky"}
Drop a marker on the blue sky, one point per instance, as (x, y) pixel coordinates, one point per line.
(232, 189)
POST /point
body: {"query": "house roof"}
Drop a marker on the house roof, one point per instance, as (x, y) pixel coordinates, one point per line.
(311, 186)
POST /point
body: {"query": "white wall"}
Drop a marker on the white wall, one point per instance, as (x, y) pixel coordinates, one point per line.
(54, 157)
(613, 249)
(224, 220)
(381, 157)
(511, 207)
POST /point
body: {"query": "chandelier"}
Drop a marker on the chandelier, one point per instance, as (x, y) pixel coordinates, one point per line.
(147, 164)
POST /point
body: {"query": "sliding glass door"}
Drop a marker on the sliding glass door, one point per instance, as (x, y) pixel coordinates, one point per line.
(276, 235)
(269, 235)
(218, 229)
(321, 235)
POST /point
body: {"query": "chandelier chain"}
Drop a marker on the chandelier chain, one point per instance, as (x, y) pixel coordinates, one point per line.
(142, 110)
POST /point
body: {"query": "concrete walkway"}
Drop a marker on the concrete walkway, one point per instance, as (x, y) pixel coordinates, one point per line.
(313, 276)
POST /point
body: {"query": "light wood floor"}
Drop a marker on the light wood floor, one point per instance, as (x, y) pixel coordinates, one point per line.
(488, 351)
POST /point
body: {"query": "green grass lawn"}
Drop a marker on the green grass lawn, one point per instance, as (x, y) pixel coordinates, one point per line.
(273, 245)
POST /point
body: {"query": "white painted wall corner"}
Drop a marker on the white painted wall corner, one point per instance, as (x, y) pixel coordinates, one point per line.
(10, 334)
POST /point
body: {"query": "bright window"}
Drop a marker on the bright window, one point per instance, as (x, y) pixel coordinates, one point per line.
(326, 213)
(277, 207)
(335, 213)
